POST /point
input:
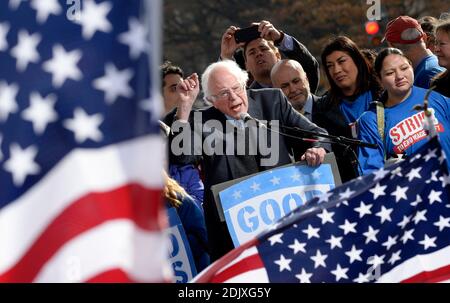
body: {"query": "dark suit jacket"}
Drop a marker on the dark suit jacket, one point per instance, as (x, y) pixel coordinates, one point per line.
(264, 104)
(328, 115)
(310, 65)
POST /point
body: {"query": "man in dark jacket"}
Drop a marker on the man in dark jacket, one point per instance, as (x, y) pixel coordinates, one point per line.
(289, 76)
(224, 86)
(261, 54)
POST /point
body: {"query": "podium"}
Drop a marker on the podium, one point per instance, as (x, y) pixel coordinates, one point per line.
(254, 203)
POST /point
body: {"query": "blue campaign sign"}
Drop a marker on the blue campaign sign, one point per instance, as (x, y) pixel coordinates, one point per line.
(180, 252)
(254, 204)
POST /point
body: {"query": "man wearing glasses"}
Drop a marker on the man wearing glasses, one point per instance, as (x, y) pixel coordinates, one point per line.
(224, 87)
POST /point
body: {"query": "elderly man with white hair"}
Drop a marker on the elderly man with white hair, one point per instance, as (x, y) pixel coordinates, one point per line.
(224, 87)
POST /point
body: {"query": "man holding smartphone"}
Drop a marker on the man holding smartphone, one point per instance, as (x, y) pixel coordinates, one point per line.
(262, 53)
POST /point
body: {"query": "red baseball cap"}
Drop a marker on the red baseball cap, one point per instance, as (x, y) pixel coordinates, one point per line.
(403, 30)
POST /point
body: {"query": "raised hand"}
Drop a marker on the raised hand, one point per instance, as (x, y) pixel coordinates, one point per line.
(189, 89)
(268, 31)
(228, 45)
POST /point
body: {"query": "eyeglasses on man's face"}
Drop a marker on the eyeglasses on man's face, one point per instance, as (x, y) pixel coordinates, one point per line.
(225, 94)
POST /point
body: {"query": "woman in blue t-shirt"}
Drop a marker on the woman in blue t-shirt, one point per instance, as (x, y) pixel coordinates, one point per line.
(353, 84)
(403, 127)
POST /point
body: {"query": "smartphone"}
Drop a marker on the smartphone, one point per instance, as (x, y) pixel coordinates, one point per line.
(247, 34)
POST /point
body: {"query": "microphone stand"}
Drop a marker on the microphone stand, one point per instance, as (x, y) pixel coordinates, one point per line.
(334, 139)
(347, 143)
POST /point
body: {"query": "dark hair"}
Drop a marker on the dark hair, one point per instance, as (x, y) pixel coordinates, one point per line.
(383, 54)
(370, 55)
(366, 79)
(428, 24)
(168, 68)
(269, 43)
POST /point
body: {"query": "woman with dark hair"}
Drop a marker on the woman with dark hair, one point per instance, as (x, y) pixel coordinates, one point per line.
(353, 84)
(402, 131)
(352, 87)
(442, 49)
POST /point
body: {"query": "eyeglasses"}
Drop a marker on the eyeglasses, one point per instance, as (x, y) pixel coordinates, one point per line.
(226, 93)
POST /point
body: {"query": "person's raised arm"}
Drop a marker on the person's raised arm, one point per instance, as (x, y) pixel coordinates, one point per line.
(228, 44)
(189, 88)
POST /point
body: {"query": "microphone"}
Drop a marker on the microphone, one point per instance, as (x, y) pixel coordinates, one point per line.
(246, 117)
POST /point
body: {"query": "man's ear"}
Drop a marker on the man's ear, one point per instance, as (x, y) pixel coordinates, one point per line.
(278, 55)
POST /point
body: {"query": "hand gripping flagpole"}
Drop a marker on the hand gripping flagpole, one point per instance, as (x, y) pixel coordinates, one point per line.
(428, 123)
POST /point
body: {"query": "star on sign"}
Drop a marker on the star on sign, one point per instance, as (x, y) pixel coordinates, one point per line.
(275, 180)
(442, 223)
(371, 235)
(316, 174)
(319, 259)
(363, 209)
(340, 273)
(93, 18)
(378, 191)
(63, 65)
(298, 246)
(395, 257)
(311, 232)
(115, 83)
(414, 173)
(84, 126)
(354, 254)
(391, 241)
(237, 194)
(45, 8)
(384, 214)
(276, 239)
(40, 112)
(326, 216)
(8, 102)
(25, 51)
(400, 193)
(284, 263)
(295, 177)
(255, 186)
(348, 227)
(434, 196)
(135, 38)
(346, 194)
(304, 277)
(4, 29)
(428, 242)
(21, 163)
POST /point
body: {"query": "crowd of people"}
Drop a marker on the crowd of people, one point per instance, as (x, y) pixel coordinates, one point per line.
(370, 98)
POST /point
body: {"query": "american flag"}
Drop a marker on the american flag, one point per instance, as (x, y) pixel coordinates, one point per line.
(391, 226)
(80, 150)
